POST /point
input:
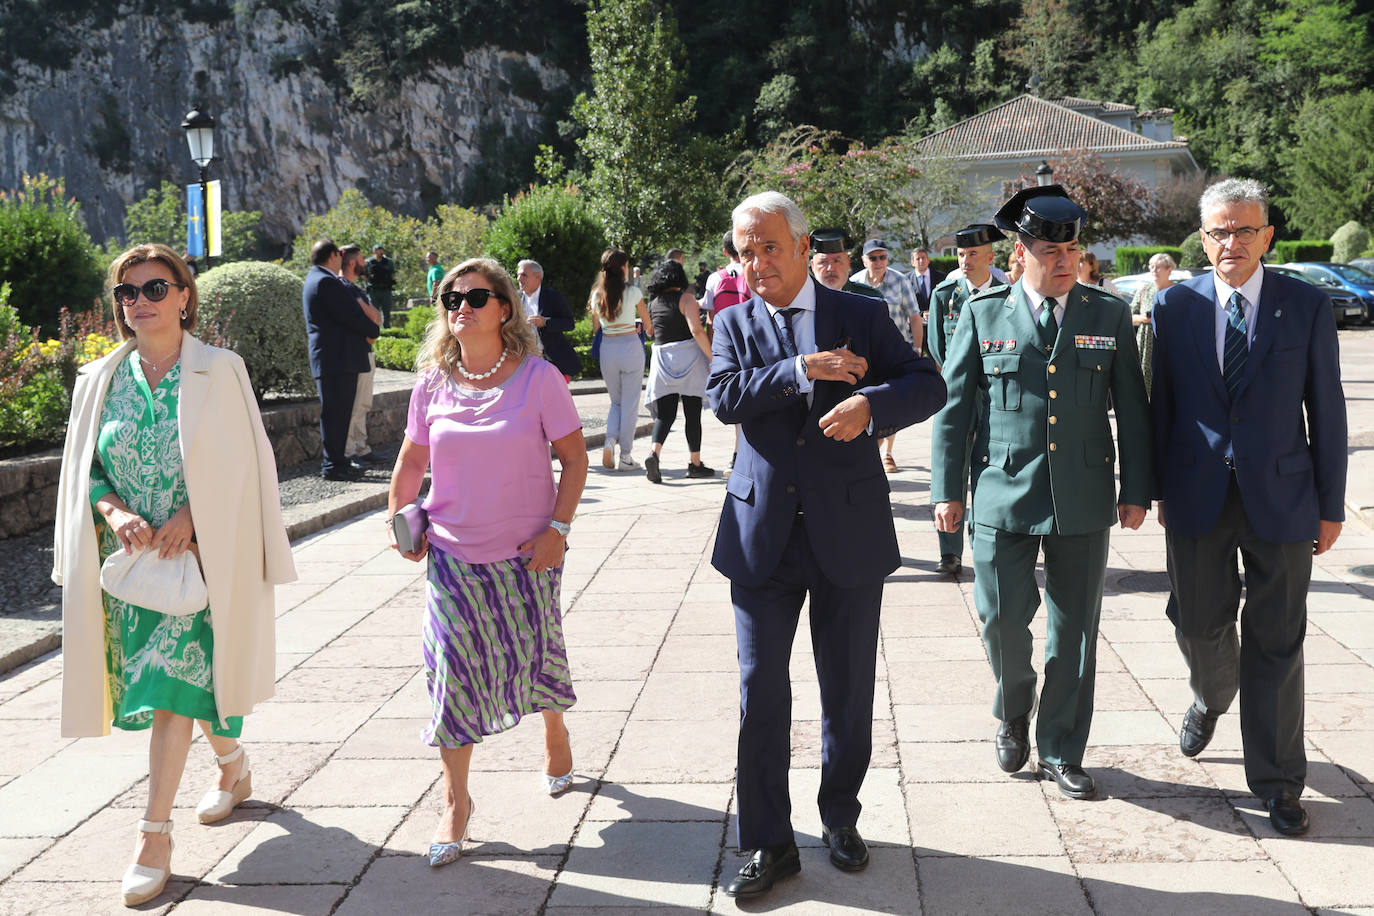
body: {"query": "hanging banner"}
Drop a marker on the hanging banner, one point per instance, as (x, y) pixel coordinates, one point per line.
(195, 222)
(216, 236)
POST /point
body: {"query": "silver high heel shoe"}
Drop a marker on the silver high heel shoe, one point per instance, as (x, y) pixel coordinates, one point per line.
(444, 853)
(142, 882)
(219, 804)
(557, 785)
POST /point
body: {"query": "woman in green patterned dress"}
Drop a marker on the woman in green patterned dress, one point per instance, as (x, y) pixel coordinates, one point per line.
(160, 669)
(1161, 267)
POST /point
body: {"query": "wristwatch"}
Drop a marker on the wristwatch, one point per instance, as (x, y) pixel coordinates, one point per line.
(562, 528)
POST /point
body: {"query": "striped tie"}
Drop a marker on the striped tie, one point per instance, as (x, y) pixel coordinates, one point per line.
(1236, 346)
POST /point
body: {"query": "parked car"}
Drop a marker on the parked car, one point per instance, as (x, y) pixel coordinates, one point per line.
(1345, 305)
(1129, 284)
(1340, 276)
(1364, 264)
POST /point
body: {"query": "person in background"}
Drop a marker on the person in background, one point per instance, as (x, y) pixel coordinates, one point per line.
(484, 413)
(357, 448)
(549, 313)
(679, 366)
(830, 263)
(434, 272)
(923, 277)
(615, 306)
(1090, 274)
(381, 281)
(1142, 304)
(703, 274)
(166, 452)
(902, 307)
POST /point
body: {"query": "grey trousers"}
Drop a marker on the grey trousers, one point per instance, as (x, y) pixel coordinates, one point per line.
(1265, 663)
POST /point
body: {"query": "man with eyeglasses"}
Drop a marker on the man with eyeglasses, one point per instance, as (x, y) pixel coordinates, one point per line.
(1250, 445)
(902, 307)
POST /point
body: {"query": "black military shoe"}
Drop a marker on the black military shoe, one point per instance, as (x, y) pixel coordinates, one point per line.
(1287, 815)
(1073, 782)
(764, 867)
(848, 851)
(949, 565)
(1197, 730)
(1013, 744)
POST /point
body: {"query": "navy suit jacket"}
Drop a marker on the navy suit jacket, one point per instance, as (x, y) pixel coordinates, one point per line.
(785, 462)
(558, 318)
(335, 325)
(1287, 426)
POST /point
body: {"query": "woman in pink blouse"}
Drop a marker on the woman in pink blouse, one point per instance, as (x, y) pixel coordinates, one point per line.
(482, 416)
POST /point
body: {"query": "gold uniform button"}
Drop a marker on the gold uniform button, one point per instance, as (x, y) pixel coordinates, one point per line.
(1053, 394)
(1108, 459)
(1053, 447)
(1099, 368)
(1053, 369)
(997, 370)
(1053, 420)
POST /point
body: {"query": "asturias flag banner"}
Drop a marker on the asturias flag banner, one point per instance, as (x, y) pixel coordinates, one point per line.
(196, 221)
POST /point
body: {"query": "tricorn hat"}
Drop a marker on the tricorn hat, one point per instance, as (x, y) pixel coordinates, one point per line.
(829, 241)
(975, 234)
(1042, 213)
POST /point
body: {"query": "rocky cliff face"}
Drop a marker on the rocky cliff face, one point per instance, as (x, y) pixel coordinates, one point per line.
(289, 143)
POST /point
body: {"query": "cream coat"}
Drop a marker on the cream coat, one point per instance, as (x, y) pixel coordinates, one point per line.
(231, 484)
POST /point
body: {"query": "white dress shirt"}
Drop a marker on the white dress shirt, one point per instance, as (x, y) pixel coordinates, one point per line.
(1249, 296)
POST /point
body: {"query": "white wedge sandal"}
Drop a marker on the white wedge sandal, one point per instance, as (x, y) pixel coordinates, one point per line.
(142, 883)
(217, 803)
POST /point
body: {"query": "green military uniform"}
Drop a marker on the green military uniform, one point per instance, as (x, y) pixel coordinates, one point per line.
(863, 289)
(1043, 468)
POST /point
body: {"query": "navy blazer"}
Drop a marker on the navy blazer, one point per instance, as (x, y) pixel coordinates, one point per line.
(786, 463)
(558, 318)
(335, 325)
(1287, 426)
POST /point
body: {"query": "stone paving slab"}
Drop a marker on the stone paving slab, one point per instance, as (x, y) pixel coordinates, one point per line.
(346, 795)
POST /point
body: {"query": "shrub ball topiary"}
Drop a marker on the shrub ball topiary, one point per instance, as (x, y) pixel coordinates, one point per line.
(1348, 241)
(553, 226)
(1194, 255)
(259, 306)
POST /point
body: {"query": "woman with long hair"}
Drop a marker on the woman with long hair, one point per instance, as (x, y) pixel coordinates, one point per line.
(679, 368)
(614, 306)
(483, 414)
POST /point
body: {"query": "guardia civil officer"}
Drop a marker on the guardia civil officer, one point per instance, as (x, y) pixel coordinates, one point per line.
(974, 246)
(1042, 355)
(830, 263)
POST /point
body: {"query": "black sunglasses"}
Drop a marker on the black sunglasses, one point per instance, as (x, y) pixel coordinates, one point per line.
(126, 294)
(477, 298)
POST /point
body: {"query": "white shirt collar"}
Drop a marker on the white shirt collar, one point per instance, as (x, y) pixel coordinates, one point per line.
(1249, 291)
(805, 299)
(1036, 301)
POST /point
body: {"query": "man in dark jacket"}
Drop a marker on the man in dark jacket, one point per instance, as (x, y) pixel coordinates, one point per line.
(549, 312)
(381, 280)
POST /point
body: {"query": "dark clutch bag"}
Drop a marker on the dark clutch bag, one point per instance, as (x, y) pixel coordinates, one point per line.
(407, 526)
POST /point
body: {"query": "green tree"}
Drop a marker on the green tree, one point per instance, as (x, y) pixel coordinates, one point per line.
(651, 181)
(45, 254)
(455, 232)
(1050, 42)
(355, 221)
(1329, 169)
(554, 226)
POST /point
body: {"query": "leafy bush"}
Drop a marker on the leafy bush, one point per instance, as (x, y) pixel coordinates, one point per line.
(455, 232)
(396, 353)
(417, 322)
(1194, 255)
(943, 262)
(1135, 259)
(259, 306)
(1302, 250)
(1348, 241)
(354, 221)
(555, 227)
(45, 254)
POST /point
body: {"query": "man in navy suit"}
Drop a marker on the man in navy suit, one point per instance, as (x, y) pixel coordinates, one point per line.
(813, 376)
(1250, 439)
(338, 332)
(550, 313)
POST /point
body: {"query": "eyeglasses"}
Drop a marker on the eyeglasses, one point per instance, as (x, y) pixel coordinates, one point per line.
(876, 257)
(477, 298)
(126, 294)
(1245, 234)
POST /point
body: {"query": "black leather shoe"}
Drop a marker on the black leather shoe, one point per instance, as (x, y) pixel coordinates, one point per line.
(1196, 733)
(1013, 744)
(764, 867)
(1073, 782)
(848, 851)
(949, 565)
(343, 474)
(1287, 815)
(367, 460)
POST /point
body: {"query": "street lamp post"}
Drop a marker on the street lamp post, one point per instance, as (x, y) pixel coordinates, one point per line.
(200, 137)
(1044, 174)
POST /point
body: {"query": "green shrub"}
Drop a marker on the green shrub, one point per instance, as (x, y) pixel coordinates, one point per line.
(417, 322)
(1302, 250)
(1194, 256)
(555, 227)
(354, 221)
(394, 332)
(46, 256)
(943, 262)
(259, 306)
(1348, 241)
(1135, 259)
(396, 353)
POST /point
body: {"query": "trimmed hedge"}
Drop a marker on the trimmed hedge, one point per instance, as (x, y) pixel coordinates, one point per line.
(1135, 259)
(1303, 250)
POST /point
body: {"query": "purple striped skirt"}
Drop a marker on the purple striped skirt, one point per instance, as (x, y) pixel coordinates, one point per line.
(493, 647)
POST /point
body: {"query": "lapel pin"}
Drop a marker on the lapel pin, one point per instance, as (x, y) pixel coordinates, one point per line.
(1278, 312)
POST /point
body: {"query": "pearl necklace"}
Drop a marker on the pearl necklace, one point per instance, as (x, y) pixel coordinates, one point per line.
(160, 359)
(478, 376)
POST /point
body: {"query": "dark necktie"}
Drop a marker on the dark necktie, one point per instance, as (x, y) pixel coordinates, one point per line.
(1235, 347)
(789, 343)
(1049, 326)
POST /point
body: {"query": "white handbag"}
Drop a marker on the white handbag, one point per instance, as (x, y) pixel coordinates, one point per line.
(171, 586)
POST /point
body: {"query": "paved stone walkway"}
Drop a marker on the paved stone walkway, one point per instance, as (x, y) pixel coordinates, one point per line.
(346, 796)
